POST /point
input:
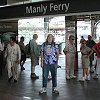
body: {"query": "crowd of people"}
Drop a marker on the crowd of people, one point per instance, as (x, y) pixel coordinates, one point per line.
(90, 51)
(88, 48)
(15, 55)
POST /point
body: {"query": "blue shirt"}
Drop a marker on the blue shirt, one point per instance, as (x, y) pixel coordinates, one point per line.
(49, 53)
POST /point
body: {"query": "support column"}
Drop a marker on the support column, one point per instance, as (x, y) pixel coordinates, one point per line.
(71, 29)
(93, 28)
(46, 27)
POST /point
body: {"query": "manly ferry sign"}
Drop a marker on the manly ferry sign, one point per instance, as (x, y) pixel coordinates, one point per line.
(50, 8)
(47, 8)
(62, 7)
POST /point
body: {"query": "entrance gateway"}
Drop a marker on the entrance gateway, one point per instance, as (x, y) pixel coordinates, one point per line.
(51, 8)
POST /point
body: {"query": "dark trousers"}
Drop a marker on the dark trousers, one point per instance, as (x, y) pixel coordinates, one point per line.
(91, 59)
(53, 69)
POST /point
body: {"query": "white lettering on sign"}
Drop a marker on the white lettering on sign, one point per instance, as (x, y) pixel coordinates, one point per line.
(59, 7)
(38, 9)
(29, 9)
(43, 9)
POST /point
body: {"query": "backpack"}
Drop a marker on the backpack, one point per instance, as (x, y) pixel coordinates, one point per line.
(27, 49)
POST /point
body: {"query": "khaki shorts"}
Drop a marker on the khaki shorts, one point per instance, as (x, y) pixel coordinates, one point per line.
(34, 60)
(85, 62)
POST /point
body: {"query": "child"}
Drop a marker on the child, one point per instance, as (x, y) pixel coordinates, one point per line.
(85, 52)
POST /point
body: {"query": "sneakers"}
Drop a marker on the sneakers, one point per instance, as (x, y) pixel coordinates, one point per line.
(96, 76)
(87, 78)
(70, 77)
(33, 75)
(42, 91)
(82, 79)
(73, 76)
(54, 90)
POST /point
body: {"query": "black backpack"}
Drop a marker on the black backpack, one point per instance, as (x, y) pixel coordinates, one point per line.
(27, 48)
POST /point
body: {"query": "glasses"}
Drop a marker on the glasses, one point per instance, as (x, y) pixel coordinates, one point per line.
(72, 39)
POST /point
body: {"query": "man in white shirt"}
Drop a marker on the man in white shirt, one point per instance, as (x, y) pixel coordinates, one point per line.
(13, 56)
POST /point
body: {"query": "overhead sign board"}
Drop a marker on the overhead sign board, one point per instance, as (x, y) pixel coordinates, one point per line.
(44, 9)
(49, 8)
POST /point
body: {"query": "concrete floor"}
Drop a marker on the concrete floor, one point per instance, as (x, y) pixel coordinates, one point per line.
(28, 89)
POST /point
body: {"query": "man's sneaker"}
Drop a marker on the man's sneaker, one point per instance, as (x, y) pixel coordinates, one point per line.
(82, 79)
(54, 90)
(96, 76)
(73, 76)
(34, 76)
(42, 91)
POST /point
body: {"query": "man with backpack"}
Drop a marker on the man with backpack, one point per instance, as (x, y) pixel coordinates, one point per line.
(34, 55)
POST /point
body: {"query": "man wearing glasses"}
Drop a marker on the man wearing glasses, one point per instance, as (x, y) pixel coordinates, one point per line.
(70, 51)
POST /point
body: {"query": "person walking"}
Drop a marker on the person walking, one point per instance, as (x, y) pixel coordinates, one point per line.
(86, 53)
(96, 49)
(70, 51)
(90, 43)
(49, 58)
(13, 56)
(34, 54)
(23, 53)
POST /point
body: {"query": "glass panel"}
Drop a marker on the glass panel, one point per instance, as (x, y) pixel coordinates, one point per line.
(83, 29)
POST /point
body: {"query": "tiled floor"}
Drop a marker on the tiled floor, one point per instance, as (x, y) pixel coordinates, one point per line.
(28, 89)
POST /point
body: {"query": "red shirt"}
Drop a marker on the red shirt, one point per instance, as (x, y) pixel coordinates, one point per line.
(97, 48)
